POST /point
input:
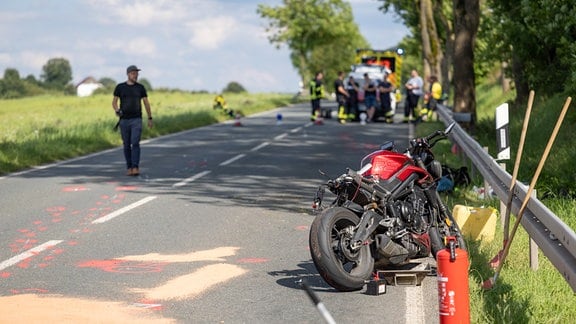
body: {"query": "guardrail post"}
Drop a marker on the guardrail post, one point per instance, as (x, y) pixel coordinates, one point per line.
(486, 183)
(533, 248)
(503, 221)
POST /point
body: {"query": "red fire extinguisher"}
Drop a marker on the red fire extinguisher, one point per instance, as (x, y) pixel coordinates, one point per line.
(453, 293)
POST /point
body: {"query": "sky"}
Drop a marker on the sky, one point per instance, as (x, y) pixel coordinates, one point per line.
(183, 44)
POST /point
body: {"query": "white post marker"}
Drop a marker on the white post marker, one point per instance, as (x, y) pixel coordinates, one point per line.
(502, 131)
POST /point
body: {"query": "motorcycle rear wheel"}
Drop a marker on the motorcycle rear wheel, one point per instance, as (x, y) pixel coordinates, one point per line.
(340, 266)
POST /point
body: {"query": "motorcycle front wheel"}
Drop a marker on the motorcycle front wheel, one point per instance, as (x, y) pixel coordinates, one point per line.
(339, 265)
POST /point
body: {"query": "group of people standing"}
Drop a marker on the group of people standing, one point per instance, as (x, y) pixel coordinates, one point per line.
(414, 91)
(377, 93)
(347, 97)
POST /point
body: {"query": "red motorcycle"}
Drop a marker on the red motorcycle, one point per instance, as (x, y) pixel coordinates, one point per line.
(387, 213)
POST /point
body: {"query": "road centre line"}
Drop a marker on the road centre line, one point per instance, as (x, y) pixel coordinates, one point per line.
(30, 253)
(260, 146)
(192, 178)
(237, 157)
(281, 136)
(123, 210)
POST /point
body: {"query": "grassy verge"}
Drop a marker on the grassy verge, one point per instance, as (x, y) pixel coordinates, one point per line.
(521, 294)
(39, 130)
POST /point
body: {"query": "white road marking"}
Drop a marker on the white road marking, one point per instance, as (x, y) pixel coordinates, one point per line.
(30, 253)
(237, 157)
(260, 146)
(281, 136)
(123, 210)
(192, 178)
(414, 301)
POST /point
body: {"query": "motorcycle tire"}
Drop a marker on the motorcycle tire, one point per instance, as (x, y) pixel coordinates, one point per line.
(341, 267)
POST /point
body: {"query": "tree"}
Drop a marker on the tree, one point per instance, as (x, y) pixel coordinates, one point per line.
(444, 43)
(234, 87)
(56, 74)
(306, 26)
(537, 40)
(107, 83)
(145, 83)
(466, 21)
(12, 85)
(427, 19)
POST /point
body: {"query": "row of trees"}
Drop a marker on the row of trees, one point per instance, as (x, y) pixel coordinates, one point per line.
(534, 41)
(56, 76)
(320, 34)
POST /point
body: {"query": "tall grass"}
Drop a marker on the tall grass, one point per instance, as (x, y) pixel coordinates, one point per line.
(521, 295)
(39, 130)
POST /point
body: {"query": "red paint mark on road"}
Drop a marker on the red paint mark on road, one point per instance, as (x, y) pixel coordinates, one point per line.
(122, 266)
(253, 260)
(126, 188)
(302, 228)
(55, 209)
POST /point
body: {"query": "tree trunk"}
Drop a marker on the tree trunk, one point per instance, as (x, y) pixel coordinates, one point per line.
(447, 59)
(522, 88)
(431, 46)
(466, 20)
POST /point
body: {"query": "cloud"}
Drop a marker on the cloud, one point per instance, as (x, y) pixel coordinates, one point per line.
(140, 13)
(210, 33)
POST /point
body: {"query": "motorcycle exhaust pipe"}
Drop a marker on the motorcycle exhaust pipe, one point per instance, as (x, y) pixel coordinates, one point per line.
(394, 252)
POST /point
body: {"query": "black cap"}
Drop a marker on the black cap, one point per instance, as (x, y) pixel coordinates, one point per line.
(132, 68)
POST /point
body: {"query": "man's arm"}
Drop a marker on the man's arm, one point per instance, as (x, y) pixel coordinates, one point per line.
(148, 110)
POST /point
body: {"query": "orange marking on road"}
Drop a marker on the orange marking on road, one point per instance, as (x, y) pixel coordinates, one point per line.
(216, 254)
(193, 284)
(59, 309)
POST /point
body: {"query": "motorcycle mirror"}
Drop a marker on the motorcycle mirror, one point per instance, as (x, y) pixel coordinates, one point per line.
(449, 128)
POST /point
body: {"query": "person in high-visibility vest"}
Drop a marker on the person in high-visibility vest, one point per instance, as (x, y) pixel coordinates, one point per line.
(316, 93)
(341, 97)
(432, 97)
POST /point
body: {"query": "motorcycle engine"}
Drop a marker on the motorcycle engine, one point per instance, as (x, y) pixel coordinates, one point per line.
(414, 212)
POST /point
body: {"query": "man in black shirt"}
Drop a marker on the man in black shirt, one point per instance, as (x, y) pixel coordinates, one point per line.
(385, 89)
(131, 94)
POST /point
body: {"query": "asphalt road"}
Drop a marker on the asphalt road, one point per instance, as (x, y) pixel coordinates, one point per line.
(214, 230)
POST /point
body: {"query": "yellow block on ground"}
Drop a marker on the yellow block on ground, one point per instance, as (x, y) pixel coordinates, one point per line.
(476, 223)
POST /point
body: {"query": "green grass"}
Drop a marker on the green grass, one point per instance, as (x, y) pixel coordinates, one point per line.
(39, 130)
(521, 294)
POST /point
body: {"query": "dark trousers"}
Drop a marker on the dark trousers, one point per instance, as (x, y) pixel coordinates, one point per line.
(131, 131)
(315, 106)
(411, 104)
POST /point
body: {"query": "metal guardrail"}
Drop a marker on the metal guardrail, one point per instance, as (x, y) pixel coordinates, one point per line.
(556, 240)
